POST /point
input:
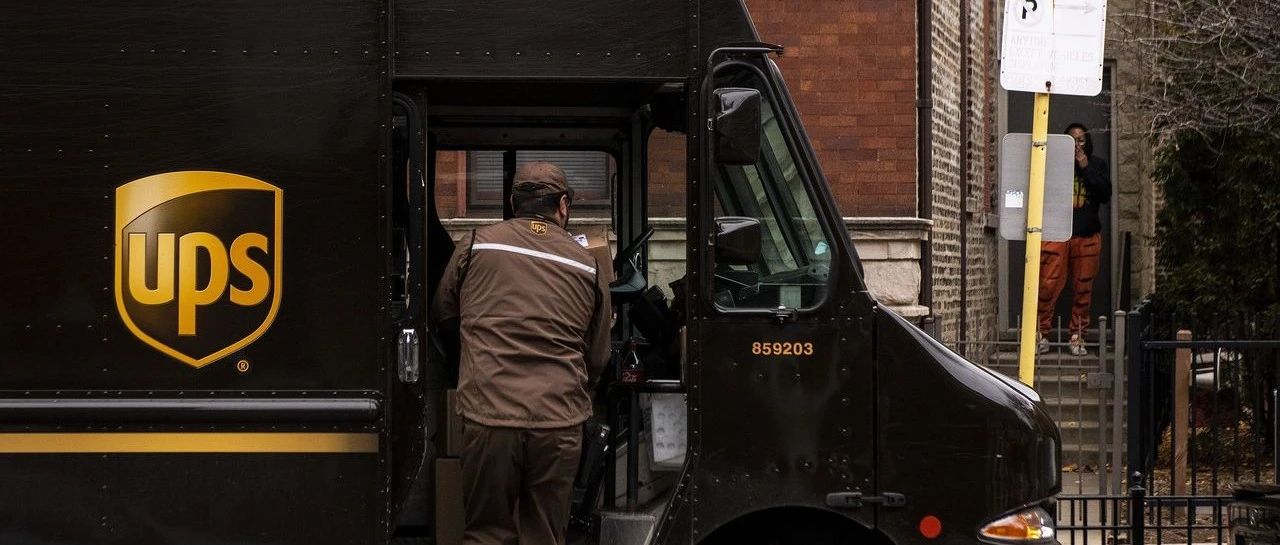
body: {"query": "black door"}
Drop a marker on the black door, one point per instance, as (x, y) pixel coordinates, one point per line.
(1095, 113)
(407, 383)
(780, 374)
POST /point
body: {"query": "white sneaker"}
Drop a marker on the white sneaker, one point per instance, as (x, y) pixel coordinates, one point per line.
(1077, 346)
(1042, 344)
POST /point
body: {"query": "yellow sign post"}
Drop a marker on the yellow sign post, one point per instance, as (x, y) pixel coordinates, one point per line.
(1035, 217)
(1047, 47)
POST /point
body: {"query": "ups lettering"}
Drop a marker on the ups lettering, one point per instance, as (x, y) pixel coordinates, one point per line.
(189, 293)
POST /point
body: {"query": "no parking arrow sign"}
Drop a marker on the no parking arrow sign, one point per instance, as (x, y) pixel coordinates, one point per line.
(1053, 46)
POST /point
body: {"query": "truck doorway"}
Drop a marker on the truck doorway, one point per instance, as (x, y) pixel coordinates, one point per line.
(597, 133)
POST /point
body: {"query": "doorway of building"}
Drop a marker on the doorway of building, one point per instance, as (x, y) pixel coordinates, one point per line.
(1095, 113)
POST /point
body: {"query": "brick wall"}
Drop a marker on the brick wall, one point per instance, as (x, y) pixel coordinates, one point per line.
(984, 261)
(666, 174)
(850, 67)
(851, 70)
(450, 178)
(946, 166)
(957, 192)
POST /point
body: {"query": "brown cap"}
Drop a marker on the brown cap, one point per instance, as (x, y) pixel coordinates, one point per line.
(540, 178)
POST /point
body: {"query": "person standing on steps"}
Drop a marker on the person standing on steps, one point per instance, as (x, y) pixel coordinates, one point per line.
(1080, 255)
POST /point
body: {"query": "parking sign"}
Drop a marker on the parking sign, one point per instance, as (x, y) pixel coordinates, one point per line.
(1053, 46)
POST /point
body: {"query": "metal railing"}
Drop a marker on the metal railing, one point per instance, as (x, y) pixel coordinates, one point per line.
(1205, 410)
(1201, 414)
(1138, 518)
(1188, 403)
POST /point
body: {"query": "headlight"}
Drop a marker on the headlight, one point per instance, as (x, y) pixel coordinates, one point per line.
(1028, 526)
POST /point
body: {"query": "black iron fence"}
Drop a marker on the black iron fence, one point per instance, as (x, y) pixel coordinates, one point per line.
(1200, 402)
(1138, 518)
(1203, 397)
(1185, 407)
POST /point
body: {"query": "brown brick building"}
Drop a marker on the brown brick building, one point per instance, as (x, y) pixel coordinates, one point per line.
(851, 67)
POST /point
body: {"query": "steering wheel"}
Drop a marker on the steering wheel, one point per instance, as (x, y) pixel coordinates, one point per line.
(631, 281)
(631, 252)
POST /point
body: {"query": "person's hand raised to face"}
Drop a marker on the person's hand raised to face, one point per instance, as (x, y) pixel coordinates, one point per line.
(1082, 159)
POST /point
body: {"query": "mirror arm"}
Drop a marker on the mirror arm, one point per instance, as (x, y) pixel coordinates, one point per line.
(762, 48)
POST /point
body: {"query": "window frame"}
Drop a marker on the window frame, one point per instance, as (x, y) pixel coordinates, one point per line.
(579, 203)
(793, 139)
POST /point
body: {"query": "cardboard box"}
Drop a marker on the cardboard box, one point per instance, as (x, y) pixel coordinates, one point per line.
(450, 516)
(598, 244)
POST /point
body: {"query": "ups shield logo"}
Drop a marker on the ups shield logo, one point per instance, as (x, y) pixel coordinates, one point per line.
(197, 261)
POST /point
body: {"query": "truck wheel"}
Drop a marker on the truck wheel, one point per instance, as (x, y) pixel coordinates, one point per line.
(792, 526)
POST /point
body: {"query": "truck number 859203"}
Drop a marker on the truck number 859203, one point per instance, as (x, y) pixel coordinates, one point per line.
(781, 349)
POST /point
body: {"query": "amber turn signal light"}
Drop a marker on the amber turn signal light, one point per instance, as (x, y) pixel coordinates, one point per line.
(1028, 526)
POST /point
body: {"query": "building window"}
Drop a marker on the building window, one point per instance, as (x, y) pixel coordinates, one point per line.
(590, 174)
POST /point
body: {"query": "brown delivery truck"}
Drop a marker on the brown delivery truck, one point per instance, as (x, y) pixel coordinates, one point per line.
(221, 245)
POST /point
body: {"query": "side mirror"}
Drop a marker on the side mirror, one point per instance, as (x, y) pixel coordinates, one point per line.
(737, 126)
(737, 240)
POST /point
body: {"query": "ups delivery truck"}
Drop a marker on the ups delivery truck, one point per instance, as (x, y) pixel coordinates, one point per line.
(220, 247)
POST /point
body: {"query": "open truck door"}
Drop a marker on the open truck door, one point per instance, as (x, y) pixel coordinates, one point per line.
(778, 313)
(200, 319)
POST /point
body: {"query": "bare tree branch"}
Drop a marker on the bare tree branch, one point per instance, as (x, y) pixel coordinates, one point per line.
(1206, 65)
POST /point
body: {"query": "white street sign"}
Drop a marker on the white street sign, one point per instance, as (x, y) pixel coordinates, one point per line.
(1053, 46)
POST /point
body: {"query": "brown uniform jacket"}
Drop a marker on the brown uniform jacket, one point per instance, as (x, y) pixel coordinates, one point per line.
(534, 320)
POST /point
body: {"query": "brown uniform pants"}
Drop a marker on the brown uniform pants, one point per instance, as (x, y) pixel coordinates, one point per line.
(517, 483)
(1080, 255)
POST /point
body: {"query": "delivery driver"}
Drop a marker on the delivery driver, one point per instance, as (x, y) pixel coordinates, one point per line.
(534, 321)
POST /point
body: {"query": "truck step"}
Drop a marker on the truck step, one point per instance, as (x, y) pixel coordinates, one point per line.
(626, 527)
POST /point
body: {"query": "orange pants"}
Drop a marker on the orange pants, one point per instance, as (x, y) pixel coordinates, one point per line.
(1080, 255)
